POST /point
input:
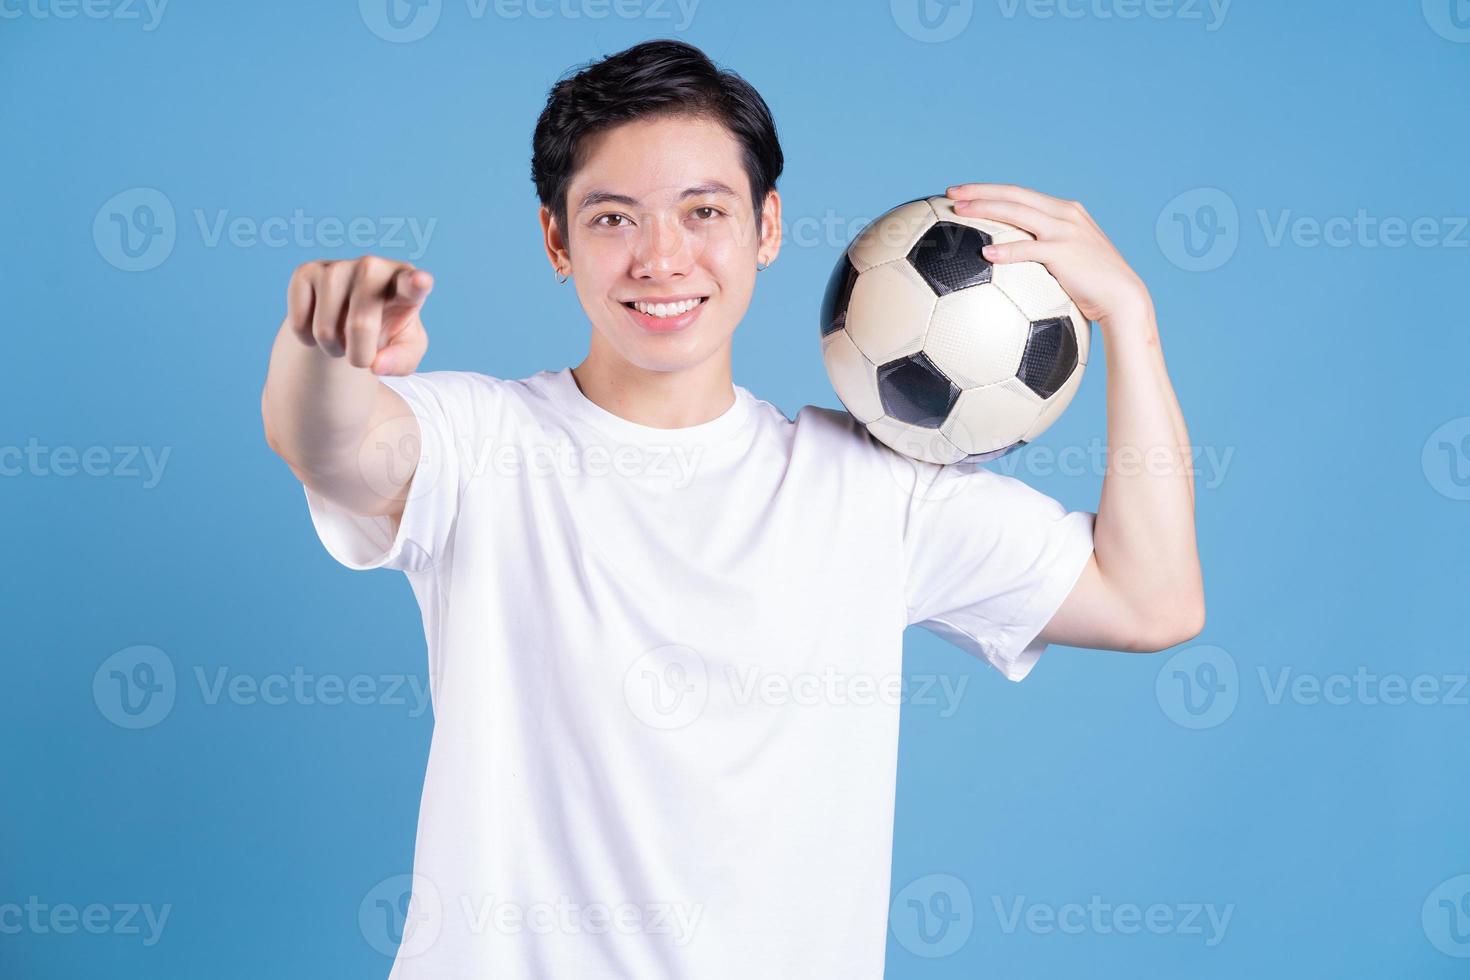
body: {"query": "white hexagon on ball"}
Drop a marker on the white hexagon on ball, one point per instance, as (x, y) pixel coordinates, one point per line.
(888, 312)
(929, 445)
(976, 337)
(892, 236)
(988, 419)
(857, 378)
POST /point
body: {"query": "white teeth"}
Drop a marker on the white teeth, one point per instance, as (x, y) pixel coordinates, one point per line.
(666, 309)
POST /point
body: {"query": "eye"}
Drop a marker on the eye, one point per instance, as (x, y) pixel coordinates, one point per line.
(712, 212)
(598, 220)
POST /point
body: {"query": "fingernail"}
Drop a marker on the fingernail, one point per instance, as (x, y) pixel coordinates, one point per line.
(989, 251)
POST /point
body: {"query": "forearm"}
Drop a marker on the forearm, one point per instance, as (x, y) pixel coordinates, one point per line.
(316, 409)
(1144, 536)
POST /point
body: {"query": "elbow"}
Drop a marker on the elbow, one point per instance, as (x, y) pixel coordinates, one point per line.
(265, 424)
(271, 441)
(1185, 622)
(274, 444)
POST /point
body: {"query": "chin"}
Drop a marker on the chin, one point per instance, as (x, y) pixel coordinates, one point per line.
(668, 354)
(669, 362)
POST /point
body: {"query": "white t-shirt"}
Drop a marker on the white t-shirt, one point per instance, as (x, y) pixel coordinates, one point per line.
(665, 670)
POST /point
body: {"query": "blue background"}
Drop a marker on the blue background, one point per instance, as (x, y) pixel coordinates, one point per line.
(1334, 541)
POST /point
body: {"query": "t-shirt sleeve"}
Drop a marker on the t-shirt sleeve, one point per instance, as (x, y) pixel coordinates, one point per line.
(444, 404)
(989, 560)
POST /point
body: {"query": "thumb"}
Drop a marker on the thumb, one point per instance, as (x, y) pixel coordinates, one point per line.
(403, 355)
(410, 287)
(402, 300)
(389, 362)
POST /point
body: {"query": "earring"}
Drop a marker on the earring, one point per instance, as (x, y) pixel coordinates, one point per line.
(561, 277)
(761, 266)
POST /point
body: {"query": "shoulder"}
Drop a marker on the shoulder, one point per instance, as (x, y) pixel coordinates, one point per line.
(808, 418)
(449, 383)
(833, 433)
(467, 398)
(840, 428)
(464, 384)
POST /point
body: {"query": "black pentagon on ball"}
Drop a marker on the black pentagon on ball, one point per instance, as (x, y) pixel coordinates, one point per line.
(839, 291)
(1051, 355)
(948, 257)
(915, 391)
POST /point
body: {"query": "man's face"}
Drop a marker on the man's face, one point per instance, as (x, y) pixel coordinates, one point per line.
(660, 213)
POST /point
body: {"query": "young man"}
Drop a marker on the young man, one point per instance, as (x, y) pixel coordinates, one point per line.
(621, 566)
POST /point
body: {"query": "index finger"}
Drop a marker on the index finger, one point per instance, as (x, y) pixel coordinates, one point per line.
(300, 302)
(1044, 203)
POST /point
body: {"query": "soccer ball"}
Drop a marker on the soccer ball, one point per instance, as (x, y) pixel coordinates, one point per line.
(945, 357)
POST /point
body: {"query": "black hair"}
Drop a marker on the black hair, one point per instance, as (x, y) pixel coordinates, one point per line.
(655, 78)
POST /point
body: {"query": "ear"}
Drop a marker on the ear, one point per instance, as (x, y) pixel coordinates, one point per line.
(770, 243)
(556, 247)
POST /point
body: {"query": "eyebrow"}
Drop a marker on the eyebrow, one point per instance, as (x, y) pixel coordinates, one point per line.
(596, 197)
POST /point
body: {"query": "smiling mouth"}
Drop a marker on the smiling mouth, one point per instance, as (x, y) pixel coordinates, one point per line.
(671, 309)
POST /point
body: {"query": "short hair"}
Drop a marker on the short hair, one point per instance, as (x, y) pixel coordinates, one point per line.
(652, 79)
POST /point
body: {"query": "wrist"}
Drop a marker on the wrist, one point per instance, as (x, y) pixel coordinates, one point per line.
(1134, 316)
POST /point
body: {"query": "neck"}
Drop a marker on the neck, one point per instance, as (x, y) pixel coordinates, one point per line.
(658, 399)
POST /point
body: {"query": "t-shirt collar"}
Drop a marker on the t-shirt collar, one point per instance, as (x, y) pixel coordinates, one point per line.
(717, 429)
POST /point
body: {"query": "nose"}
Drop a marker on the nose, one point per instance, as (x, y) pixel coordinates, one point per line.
(663, 250)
